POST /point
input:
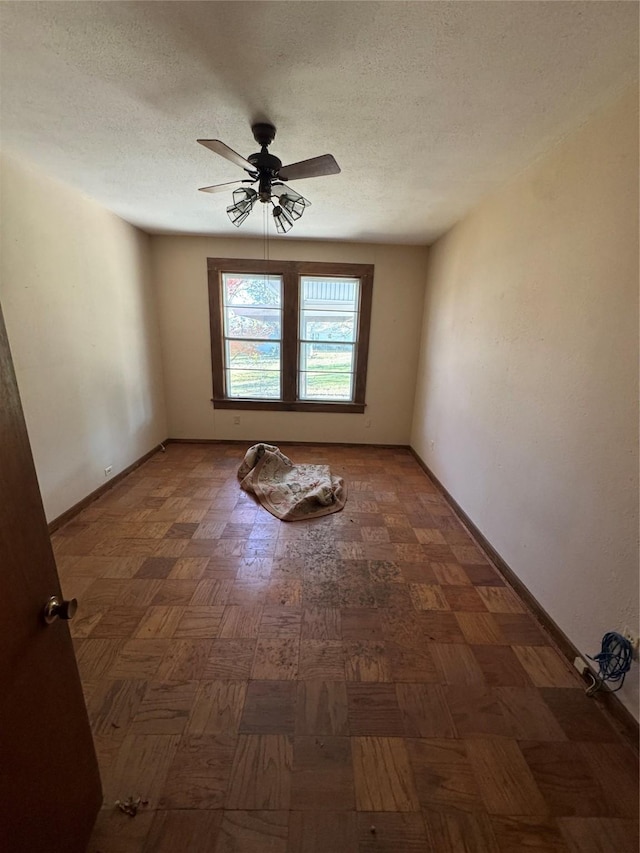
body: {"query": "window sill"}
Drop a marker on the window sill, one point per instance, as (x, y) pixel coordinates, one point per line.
(294, 406)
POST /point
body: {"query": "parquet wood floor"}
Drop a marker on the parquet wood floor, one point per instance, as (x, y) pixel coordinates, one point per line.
(360, 683)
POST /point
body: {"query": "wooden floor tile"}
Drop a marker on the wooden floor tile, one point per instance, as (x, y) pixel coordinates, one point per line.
(322, 774)
(615, 766)
(321, 659)
(199, 622)
(545, 666)
(476, 711)
(579, 716)
(456, 664)
(252, 831)
(139, 592)
(276, 659)
(383, 776)
(158, 622)
(118, 623)
(464, 599)
(500, 599)
(599, 835)
(443, 774)
(527, 714)
(361, 623)
(139, 659)
(261, 773)
(386, 832)
(280, 622)
(506, 784)
(454, 831)
(189, 568)
(424, 710)
(428, 597)
(321, 623)
(411, 664)
(284, 593)
(165, 707)
(184, 660)
(480, 629)
(229, 659)
(500, 666)
(95, 657)
(269, 708)
(450, 574)
(240, 622)
(322, 708)
(199, 775)
(564, 778)
(441, 627)
(516, 834)
(483, 575)
(520, 629)
(374, 709)
(140, 768)
(209, 592)
(366, 660)
(117, 833)
(217, 708)
(113, 704)
(188, 830)
(386, 571)
(322, 831)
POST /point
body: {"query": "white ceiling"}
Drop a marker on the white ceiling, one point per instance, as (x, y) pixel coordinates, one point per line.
(427, 106)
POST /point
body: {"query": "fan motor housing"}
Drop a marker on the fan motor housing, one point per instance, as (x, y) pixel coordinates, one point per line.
(263, 133)
(265, 162)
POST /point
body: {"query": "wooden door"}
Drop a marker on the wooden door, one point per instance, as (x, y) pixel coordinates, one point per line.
(49, 783)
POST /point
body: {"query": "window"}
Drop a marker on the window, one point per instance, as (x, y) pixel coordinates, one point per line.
(289, 335)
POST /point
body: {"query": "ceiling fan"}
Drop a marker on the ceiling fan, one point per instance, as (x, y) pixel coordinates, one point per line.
(268, 172)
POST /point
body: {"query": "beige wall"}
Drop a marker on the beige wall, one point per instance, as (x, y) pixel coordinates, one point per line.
(180, 274)
(79, 311)
(527, 397)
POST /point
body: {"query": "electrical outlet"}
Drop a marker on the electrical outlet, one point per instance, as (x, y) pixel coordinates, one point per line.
(367, 423)
(108, 470)
(236, 420)
(581, 665)
(633, 638)
(433, 445)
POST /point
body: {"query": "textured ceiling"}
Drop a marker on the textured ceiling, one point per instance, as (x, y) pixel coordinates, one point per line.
(427, 106)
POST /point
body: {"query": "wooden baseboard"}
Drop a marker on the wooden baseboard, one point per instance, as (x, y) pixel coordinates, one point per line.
(627, 725)
(68, 514)
(247, 442)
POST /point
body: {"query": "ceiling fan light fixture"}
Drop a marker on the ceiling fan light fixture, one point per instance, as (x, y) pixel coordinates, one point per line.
(243, 200)
(283, 220)
(293, 205)
(268, 171)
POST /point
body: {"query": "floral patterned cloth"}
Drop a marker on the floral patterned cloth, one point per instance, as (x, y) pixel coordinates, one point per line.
(290, 492)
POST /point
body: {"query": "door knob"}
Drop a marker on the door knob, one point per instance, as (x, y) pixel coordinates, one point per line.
(59, 609)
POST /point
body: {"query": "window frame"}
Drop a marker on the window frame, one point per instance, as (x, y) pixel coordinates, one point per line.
(291, 272)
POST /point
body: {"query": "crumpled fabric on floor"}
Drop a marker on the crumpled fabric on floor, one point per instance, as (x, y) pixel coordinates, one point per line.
(290, 492)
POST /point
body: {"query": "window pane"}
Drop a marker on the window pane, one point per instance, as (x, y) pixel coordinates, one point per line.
(253, 355)
(253, 383)
(331, 294)
(334, 358)
(334, 326)
(252, 289)
(325, 386)
(252, 322)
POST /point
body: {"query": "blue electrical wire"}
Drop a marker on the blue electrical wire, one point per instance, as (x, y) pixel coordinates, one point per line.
(614, 660)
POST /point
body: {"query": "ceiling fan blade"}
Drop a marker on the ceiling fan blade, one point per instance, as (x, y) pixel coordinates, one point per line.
(313, 168)
(228, 153)
(218, 188)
